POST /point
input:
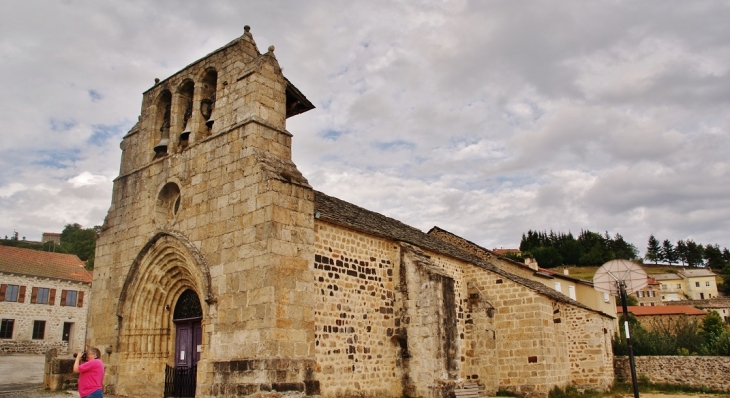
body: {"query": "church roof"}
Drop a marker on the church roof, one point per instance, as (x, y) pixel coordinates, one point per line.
(339, 212)
(16, 260)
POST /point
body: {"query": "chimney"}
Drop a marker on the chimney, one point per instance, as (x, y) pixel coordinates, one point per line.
(532, 263)
(565, 271)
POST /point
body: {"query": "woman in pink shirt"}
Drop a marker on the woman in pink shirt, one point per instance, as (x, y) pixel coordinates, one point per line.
(91, 374)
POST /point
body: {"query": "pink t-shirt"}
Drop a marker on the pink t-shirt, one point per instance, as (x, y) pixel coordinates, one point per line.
(91, 376)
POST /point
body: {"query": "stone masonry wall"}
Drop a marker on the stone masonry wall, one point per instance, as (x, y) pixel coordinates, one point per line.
(507, 336)
(697, 372)
(355, 345)
(530, 345)
(590, 348)
(55, 315)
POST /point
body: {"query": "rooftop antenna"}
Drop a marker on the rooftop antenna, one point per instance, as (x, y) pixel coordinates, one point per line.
(619, 278)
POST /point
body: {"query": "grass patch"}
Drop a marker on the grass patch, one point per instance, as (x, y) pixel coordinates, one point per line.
(626, 389)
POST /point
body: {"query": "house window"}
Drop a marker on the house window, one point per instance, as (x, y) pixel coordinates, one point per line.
(664, 287)
(640, 294)
(679, 286)
(557, 286)
(6, 328)
(697, 284)
(11, 293)
(39, 330)
(641, 304)
(42, 296)
(707, 283)
(651, 293)
(652, 304)
(606, 298)
(571, 292)
(70, 298)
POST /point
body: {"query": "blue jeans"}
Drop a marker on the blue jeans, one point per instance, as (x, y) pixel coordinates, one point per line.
(95, 394)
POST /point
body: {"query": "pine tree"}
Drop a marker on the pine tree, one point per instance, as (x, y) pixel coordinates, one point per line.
(652, 249)
(681, 250)
(667, 252)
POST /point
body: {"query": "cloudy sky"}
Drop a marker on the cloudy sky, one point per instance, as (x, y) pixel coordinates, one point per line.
(486, 118)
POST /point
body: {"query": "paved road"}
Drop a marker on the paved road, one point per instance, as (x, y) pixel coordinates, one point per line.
(21, 372)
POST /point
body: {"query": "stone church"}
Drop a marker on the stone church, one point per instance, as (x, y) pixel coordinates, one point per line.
(220, 272)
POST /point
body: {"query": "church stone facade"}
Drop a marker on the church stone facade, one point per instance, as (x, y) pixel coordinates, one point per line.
(218, 258)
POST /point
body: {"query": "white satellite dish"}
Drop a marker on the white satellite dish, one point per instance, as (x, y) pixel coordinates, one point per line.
(622, 277)
(610, 276)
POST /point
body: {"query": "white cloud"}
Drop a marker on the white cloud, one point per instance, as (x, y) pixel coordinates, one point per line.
(485, 118)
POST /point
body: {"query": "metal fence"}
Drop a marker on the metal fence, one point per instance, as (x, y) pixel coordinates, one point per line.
(180, 382)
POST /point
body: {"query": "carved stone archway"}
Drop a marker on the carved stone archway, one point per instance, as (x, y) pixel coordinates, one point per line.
(167, 266)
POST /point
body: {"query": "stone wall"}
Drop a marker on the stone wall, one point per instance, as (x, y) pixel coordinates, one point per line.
(590, 348)
(25, 313)
(356, 342)
(58, 373)
(386, 328)
(697, 372)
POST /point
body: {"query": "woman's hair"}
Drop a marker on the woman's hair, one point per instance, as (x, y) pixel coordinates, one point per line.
(95, 351)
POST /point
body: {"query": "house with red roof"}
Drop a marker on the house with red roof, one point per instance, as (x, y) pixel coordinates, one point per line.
(44, 299)
(651, 317)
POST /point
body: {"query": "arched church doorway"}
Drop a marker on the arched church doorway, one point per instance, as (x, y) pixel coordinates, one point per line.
(188, 340)
(180, 380)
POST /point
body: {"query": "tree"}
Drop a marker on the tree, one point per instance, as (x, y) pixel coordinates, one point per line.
(80, 241)
(713, 257)
(622, 249)
(667, 252)
(547, 257)
(571, 251)
(695, 253)
(681, 251)
(711, 330)
(652, 249)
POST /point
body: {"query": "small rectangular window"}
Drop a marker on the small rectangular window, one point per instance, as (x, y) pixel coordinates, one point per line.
(6, 328)
(606, 298)
(11, 293)
(664, 287)
(697, 284)
(70, 298)
(558, 287)
(42, 297)
(707, 283)
(39, 330)
(679, 286)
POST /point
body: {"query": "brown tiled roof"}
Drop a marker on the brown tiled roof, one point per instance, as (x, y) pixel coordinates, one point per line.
(662, 310)
(339, 212)
(46, 264)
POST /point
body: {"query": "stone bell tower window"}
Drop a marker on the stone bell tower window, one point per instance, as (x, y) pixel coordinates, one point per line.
(162, 124)
(185, 109)
(208, 94)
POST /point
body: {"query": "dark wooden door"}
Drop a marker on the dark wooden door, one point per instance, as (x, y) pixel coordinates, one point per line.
(188, 343)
